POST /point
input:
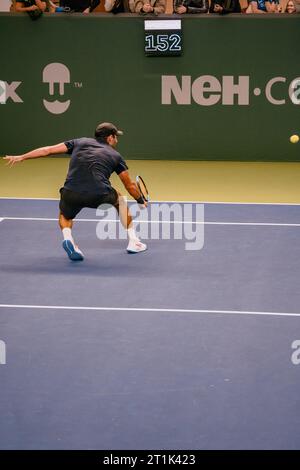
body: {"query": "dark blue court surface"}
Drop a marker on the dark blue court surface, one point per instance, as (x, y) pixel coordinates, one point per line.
(167, 349)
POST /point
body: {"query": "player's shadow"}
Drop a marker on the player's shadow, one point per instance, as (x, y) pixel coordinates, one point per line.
(61, 267)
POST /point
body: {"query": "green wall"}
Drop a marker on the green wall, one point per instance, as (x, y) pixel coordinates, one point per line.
(112, 80)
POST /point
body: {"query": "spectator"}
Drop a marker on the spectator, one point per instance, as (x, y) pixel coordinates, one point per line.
(30, 5)
(147, 6)
(117, 6)
(190, 6)
(264, 6)
(290, 7)
(225, 6)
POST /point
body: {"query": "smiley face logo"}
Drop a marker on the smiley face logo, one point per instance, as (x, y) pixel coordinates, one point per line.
(57, 76)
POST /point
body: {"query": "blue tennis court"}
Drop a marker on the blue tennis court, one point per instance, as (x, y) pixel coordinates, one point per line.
(166, 349)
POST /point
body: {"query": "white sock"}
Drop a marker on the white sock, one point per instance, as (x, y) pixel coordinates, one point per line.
(131, 234)
(67, 234)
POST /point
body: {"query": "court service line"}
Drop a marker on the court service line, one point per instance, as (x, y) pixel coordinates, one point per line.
(141, 309)
(263, 224)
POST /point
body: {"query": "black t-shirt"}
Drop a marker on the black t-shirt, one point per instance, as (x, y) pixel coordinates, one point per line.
(92, 163)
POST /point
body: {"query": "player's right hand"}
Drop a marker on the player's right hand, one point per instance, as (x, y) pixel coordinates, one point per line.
(11, 160)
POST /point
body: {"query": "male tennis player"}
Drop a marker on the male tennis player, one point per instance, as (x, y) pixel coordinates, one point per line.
(93, 160)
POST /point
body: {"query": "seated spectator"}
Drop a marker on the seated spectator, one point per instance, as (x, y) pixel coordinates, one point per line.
(290, 7)
(30, 5)
(264, 6)
(190, 6)
(80, 6)
(225, 6)
(147, 6)
(117, 6)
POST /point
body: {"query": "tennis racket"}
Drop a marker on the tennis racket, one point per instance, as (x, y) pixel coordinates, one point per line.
(142, 188)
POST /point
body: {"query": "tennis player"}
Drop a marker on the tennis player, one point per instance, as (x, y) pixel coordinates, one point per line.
(87, 184)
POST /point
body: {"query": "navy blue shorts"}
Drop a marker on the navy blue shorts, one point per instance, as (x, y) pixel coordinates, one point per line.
(71, 202)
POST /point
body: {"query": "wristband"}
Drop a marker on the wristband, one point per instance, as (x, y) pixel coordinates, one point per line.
(140, 200)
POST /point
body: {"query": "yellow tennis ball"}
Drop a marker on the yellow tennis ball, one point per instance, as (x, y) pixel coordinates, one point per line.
(294, 139)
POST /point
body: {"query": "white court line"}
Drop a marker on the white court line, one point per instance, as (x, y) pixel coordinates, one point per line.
(263, 224)
(1, 219)
(180, 202)
(161, 310)
(30, 198)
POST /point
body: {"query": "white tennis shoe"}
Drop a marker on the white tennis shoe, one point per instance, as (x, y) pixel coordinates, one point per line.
(136, 246)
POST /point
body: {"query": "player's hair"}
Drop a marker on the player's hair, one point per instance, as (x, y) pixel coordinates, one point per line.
(101, 136)
(105, 129)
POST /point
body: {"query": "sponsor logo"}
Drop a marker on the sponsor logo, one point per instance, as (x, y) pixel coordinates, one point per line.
(208, 90)
(57, 76)
(8, 91)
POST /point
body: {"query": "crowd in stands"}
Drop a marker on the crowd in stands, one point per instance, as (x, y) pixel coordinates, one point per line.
(156, 7)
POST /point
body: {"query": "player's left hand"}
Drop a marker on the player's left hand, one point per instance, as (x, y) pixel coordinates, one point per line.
(12, 160)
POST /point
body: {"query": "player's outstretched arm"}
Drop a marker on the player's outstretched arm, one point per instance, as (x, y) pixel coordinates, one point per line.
(37, 153)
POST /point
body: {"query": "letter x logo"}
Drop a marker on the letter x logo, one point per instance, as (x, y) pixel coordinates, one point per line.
(8, 90)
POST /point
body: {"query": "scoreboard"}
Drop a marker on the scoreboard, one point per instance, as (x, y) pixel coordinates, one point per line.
(163, 37)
